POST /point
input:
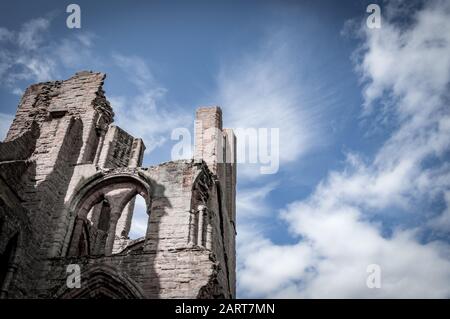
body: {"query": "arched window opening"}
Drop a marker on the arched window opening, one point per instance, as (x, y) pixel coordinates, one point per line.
(132, 224)
(139, 219)
(113, 214)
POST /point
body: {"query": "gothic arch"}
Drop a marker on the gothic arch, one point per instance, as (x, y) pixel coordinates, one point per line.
(90, 193)
(101, 282)
(199, 219)
(201, 188)
(115, 189)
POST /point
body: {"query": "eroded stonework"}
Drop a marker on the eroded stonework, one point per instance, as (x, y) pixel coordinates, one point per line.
(68, 182)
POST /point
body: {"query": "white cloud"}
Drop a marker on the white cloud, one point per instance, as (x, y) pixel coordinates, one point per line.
(146, 115)
(344, 245)
(30, 54)
(251, 201)
(23, 55)
(408, 70)
(136, 70)
(332, 261)
(262, 90)
(264, 268)
(73, 52)
(5, 34)
(31, 35)
(17, 91)
(441, 223)
(27, 57)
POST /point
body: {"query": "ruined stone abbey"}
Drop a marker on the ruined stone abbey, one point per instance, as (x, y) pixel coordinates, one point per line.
(69, 178)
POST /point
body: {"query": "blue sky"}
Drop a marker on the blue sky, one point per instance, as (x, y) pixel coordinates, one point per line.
(363, 117)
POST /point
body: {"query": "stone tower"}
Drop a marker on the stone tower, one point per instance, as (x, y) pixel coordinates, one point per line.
(68, 182)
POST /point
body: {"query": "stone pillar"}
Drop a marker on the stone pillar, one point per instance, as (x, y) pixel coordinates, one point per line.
(115, 214)
(193, 222)
(230, 174)
(124, 222)
(108, 139)
(201, 225)
(99, 147)
(208, 240)
(209, 137)
(137, 153)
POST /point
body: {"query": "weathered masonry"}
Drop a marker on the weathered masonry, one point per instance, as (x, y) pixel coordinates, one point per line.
(68, 182)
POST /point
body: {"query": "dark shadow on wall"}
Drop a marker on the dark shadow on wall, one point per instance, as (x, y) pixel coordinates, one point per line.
(22, 147)
(45, 201)
(16, 244)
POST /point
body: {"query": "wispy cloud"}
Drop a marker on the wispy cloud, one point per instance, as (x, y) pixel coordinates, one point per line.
(146, 114)
(30, 54)
(252, 201)
(262, 90)
(74, 51)
(31, 35)
(5, 34)
(136, 70)
(406, 69)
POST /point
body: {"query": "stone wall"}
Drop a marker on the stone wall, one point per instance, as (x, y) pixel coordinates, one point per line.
(68, 180)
